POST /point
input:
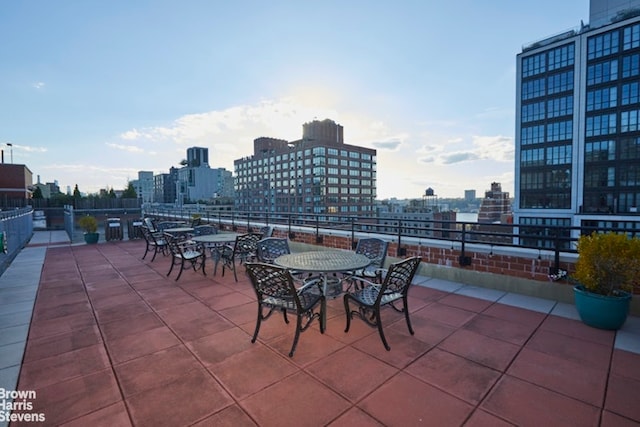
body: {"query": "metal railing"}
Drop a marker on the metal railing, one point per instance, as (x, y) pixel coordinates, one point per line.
(551, 239)
(16, 227)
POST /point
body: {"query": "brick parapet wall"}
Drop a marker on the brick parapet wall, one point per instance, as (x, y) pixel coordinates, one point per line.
(490, 261)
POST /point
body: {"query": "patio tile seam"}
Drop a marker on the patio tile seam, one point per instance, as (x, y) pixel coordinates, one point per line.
(112, 362)
(182, 343)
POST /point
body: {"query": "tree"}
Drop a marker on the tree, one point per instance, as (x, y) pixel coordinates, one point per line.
(130, 192)
(76, 193)
(112, 194)
(37, 193)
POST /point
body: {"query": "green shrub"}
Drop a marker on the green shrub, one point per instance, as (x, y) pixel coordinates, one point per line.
(88, 223)
(608, 263)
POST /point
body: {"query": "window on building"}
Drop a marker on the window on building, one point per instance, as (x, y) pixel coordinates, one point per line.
(629, 121)
(602, 98)
(532, 180)
(558, 107)
(630, 148)
(559, 131)
(531, 134)
(532, 112)
(561, 57)
(559, 155)
(532, 157)
(533, 89)
(599, 151)
(603, 45)
(561, 82)
(631, 65)
(533, 65)
(601, 125)
(631, 37)
(599, 176)
(629, 93)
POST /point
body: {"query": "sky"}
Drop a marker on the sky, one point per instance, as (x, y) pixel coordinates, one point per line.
(93, 91)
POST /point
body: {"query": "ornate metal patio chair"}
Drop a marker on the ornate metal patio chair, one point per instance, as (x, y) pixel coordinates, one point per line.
(376, 250)
(183, 252)
(243, 250)
(150, 223)
(266, 231)
(270, 248)
(155, 242)
(276, 291)
(373, 296)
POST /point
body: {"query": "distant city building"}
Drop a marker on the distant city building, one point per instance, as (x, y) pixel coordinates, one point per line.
(470, 195)
(45, 190)
(144, 186)
(577, 124)
(496, 206)
(197, 182)
(318, 174)
(419, 218)
(197, 157)
(15, 182)
(164, 186)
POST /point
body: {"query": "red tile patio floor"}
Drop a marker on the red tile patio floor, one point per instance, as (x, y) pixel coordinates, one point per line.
(114, 342)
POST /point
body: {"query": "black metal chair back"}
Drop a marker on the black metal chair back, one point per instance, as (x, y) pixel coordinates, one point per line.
(275, 291)
(373, 248)
(372, 297)
(244, 249)
(183, 252)
(154, 242)
(271, 248)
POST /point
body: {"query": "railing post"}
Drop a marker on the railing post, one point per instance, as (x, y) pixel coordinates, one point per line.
(463, 260)
(354, 244)
(318, 236)
(292, 235)
(556, 255)
(400, 251)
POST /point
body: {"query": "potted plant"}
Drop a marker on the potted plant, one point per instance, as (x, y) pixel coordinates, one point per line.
(89, 224)
(607, 273)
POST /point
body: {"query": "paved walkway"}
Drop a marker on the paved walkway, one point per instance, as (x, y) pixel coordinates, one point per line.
(113, 341)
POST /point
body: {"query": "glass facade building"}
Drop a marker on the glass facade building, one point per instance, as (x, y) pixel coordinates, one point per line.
(577, 136)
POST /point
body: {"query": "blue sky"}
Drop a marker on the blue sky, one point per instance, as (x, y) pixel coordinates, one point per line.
(91, 92)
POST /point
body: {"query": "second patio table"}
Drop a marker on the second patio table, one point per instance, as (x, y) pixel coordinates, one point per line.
(323, 262)
(217, 239)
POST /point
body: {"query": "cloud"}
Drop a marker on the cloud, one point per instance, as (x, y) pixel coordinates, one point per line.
(461, 156)
(387, 145)
(430, 149)
(127, 148)
(427, 159)
(38, 85)
(31, 149)
(135, 135)
(499, 148)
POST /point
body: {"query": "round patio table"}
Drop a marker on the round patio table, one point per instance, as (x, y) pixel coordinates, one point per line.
(323, 262)
(219, 238)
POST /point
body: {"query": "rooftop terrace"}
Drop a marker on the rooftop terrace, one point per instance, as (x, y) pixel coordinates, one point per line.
(105, 338)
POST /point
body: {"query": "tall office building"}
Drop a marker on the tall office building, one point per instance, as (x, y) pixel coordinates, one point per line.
(197, 157)
(577, 117)
(318, 174)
